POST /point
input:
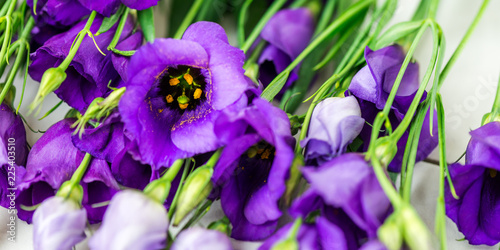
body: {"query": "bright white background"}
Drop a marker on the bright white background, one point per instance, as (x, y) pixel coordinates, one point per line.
(468, 94)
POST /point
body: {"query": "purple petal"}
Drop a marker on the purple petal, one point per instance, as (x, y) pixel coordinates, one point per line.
(103, 7)
(139, 4)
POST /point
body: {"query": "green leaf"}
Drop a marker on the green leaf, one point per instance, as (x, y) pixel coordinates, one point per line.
(146, 20)
(109, 22)
(275, 86)
(397, 32)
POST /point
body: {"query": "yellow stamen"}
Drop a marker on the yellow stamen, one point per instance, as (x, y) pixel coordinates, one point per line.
(183, 106)
(169, 98)
(173, 81)
(188, 78)
(266, 154)
(197, 94)
(493, 173)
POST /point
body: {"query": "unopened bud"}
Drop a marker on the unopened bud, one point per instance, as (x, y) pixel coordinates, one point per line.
(51, 80)
(416, 234)
(195, 190)
(223, 225)
(158, 190)
(252, 71)
(72, 191)
(385, 150)
(9, 97)
(288, 244)
(390, 233)
(110, 102)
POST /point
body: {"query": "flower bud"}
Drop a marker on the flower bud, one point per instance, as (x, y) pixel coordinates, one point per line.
(110, 102)
(385, 150)
(51, 80)
(487, 118)
(288, 244)
(10, 96)
(223, 225)
(71, 191)
(416, 234)
(158, 190)
(252, 71)
(196, 189)
(390, 233)
(58, 223)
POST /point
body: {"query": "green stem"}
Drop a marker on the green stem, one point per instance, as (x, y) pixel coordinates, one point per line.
(495, 109)
(171, 173)
(188, 18)
(242, 20)
(260, 25)
(326, 15)
(386, 184)
(80, 171)
(440, 221)
(119, 29)
(433, 8)
(214, 159)
(5, 7)
(72, 52)
(462, 43)
(171, 210)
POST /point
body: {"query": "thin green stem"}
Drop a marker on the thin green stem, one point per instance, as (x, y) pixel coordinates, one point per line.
(433, 9)
(260, 25)
(80, 171)
(495, 109)
(386, 184)
(72, 52)
(325, 17)
(241, 21)
(440, 220)
(171, 210)
(171, 173)
(188, 18)
(214, 159)
(119, 29)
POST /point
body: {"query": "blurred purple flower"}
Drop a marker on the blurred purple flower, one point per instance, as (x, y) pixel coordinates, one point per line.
(335, 123)
(89, 74)
(58, 223)
(253, 167)
(58, 13)
(477, 183)
(132, 221)
(13, 144)
(197, 238)
(175, 91)
(52, 161)
(109, 7)
(372, 85)
(288, 32)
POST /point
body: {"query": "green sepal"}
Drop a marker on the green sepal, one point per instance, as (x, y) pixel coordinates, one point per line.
(146, 20)
(72, 191)
(109, 22)
(275, 86)
(223, 225)
(72, 113)
(10, 96)
(397, 32)
(158, 190)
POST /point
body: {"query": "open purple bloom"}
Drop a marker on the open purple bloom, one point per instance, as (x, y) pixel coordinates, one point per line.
(89, 74)
(477, 183)
(201, 238)
(335, 122)
(58, 13)
(13, 154)
(253, 167)
(109, 7)
(52, 161)
(288, 32)
(372, 85)
(132, 221)
(175, 91)
(58, 224)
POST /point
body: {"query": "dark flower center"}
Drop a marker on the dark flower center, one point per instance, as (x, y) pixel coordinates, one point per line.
(493, 173)
(183, 87)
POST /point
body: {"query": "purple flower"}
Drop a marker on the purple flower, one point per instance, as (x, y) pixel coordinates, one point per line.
(348, 182)
(477, 183)
(58, 223)
(175, 91)
(109, 142)
(58, 13)
(90, 72)
(372, 85)
(200, 238)
(335, 122)
(253, 167)
(53, 160)
(132, 221)
(288, 32)
(13, 154)
(109, 7)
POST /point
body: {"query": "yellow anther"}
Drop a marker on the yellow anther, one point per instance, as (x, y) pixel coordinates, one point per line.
(493, 173)
(188, 78)
(173, 81)
(169, 98)
(266, 154)
(183, 106)
(197, 94)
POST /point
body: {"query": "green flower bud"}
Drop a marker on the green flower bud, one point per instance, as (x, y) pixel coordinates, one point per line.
(416, 234)
(110, 103)
(252, 71)
(223, 225)
(51, 80)
(288, 244)
(158, 190)
(385, 149)
(10, 96)
(390, 233)
(487, 118)
(72, 191)
(293, 181)
(195, 190)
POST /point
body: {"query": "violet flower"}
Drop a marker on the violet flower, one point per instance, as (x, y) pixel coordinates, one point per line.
(175, 91)
(288, 32)
(335, 122)
(372, 85)
(253, 167)
(53, 160)
(477, 183)
(132, 221)
(58, 13)
(109, 7)
(197, 238)
(58, 223)
(89, 74)
(13, 154)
